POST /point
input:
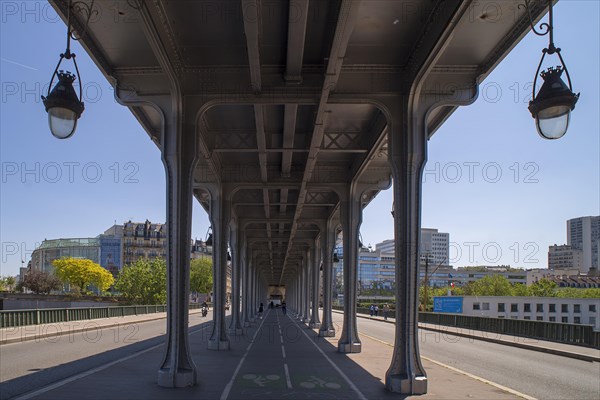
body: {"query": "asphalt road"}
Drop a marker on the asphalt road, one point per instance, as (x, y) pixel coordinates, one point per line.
(541, 375)
(33, 364)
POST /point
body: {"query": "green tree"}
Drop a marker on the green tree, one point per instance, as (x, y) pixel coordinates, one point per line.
(201, 275)
(543, 288)
(81, 273)
(10, 282)
(491, 285)
(144, 282)
(40, 282)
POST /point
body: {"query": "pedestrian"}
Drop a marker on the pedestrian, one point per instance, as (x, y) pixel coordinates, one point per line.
(372, 310)
(386, 311)
(284, 308)
(260, 310)
(376, 310)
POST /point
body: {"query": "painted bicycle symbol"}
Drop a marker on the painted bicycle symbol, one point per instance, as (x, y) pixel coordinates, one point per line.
(313, 382)
(261, 380)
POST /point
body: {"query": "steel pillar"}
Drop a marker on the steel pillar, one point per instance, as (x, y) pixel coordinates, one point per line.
(407, 142)
(220, 214)
(235, 325)
(247, 310)
(351, 218)
(314, 315)
(327, 246)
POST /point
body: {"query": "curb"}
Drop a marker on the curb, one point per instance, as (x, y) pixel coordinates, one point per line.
(564, 353)
(39, 336)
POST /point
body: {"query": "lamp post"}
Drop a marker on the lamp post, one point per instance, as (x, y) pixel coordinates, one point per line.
(62, 104)
(552, 106)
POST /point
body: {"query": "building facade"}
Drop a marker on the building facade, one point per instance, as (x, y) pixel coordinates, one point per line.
(549, 309)
(583, 234)
(50, 250)
(435, 247)
(565, 257)
(143, 240)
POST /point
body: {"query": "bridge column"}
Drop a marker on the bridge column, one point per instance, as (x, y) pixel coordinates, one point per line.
(178, 153)
(407, 141)
(220, 214)
(306, 287)
(235, 325)
(314, 315)
(247, 310)
(327, 246)
(351, 218)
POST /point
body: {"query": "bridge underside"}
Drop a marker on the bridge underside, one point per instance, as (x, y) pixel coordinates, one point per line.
(284, 119)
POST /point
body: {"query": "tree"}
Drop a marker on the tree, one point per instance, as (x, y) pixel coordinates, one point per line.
(201, 275)
(40, 282)
(144, 282)
(491, 285)
(81, 273)
(543, 288)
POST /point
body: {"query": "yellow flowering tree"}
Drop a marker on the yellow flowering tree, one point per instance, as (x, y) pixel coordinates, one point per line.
(81, 273)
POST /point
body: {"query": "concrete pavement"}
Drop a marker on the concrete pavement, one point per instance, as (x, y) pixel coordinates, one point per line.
(276, 358)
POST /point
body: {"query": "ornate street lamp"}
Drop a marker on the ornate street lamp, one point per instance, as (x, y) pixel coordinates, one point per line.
(62, 104)
(553, 104)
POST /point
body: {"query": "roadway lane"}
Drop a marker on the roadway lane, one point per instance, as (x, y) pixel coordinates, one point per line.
(541, 375)
(33, 364)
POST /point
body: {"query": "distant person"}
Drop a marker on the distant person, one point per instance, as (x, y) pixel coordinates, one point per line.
(372, 310)
(284, 308)
(376, 310)
(260, 310)
(386, 311)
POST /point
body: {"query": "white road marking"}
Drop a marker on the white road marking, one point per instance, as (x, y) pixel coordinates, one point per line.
(227, 389)
(283, 351)
(287, 376)
(507, 389)
(339, 371)
(93, 370)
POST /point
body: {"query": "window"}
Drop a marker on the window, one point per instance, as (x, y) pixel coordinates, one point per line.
(577, 320)
(577, 308)
(592, 308)
(485, 306)
(539, 307)
(527, 317)
(527, 307)
(552, 307)
(565, 320)
(514, 307)
(552, 319)
(564, 308)
(500, 307)
(539, 318)
(593, 321)
(476, 306)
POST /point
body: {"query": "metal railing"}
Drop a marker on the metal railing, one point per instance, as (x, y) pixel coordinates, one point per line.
(13, 318)
(581, 335)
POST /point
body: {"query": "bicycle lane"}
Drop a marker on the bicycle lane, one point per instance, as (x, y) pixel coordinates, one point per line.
(283, 362)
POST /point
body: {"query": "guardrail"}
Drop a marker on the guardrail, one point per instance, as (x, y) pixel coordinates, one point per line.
(581, 335)
(12, 318)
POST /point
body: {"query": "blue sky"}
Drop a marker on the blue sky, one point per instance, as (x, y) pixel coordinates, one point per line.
(110, 170)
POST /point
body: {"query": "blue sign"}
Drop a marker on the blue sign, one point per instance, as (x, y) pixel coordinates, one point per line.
(448, 304)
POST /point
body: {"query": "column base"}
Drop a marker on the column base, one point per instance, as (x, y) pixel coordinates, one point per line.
(314, 325)
(218, 344)
(404, 385)
(235, 331)
(349, 347)
(247, 324)
(327, 333)
(178, 379)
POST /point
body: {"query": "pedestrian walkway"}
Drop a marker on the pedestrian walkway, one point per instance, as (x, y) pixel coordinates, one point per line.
(277, 358)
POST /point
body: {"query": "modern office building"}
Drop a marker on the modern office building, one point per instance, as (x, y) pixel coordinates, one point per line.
(564, 257)
(435, 247)
(143, 240)
(583, 234)
(50, 250)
